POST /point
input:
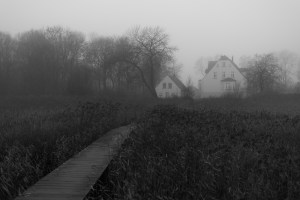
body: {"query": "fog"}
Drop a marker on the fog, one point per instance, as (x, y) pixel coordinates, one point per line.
(197, 28)
(149, 99)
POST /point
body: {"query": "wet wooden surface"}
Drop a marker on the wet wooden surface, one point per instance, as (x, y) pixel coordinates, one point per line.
(73, 179)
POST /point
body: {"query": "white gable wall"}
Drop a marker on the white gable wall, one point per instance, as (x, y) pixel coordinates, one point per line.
(167, 92)
(214, 87)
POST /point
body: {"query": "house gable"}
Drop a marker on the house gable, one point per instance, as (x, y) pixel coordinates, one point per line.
(169, 86)
(212, 64)
(218, 75)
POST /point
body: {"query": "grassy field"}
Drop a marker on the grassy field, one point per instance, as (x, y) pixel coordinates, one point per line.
(37, 134)
(288, 104)
(220, 149)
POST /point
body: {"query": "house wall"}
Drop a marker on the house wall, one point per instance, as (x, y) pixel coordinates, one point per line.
(161, 92)
(211, 87)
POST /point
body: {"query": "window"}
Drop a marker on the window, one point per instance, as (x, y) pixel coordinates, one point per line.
(167, 94)
(160, 94)
(224, 64)
(232, 74)
(170, 85)
(164, 85)
(215, 75)
(228, 86)
(223, 75)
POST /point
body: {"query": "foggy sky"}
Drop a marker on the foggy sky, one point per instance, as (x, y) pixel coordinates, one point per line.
(197, 28)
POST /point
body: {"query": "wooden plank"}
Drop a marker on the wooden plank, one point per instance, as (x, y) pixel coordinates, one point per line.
(74, 178)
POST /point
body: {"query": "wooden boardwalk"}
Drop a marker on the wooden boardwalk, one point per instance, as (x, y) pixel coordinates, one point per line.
(73, 179)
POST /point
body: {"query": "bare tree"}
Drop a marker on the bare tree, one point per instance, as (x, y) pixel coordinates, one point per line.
(74, 42)
(263, 73)
(67, 49)
(56, 60)
(171, 68)
(34, 55)
(125, 73)
(189, 91)
(287, 62)
(174, 68)
(7, 58)
(148, 51)
(55, 35)
(100, 54)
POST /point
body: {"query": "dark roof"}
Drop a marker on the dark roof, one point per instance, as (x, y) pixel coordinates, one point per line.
(211, 64)
(244, 70)
(228, 80)
(177, 82)
(222, 58)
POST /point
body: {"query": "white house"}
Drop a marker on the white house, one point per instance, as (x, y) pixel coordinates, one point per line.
(222, 77)
(170, 86)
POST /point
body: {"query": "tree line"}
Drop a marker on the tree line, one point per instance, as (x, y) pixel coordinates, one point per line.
(56, 60)
(272, 72)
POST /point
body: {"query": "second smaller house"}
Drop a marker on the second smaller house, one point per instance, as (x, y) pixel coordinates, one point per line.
(170, 86)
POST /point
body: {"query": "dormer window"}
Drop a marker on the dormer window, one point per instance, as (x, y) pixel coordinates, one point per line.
(224, 64)
(223, 74)
(215, 75)
(164, 85)
(232, 74)
(170, 85)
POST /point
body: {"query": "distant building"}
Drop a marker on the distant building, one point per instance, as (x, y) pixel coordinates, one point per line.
(222, 77)
(170, 86)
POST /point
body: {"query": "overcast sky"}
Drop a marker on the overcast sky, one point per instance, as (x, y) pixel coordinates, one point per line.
(196, 27)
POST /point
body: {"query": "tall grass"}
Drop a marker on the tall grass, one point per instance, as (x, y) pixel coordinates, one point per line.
(34, 141)
(185, 154)
(276, 103)
(37, 134)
